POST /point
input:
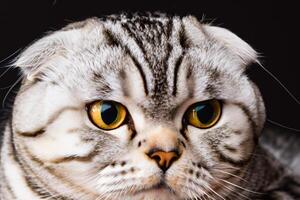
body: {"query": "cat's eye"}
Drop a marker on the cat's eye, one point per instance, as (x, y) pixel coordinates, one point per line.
(107, 115)
(204, 114)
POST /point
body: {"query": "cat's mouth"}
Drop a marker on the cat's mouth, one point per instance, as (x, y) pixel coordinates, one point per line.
(157, 188)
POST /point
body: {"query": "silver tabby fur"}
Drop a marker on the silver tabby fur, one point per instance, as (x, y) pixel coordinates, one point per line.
(157, 66)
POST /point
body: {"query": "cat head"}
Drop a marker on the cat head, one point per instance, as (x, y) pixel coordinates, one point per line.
(138, 107)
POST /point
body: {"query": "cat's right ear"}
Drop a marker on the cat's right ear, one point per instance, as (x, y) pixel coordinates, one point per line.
(55, 45)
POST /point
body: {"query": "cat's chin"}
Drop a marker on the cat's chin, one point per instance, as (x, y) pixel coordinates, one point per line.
(161, 193)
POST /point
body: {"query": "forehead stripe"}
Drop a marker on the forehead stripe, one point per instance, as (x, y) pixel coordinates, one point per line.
(117, 41)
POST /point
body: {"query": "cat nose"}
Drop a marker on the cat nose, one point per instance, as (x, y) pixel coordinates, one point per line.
(164, 159)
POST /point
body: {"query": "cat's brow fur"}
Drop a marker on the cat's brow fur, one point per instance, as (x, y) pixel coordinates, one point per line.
(156, 66)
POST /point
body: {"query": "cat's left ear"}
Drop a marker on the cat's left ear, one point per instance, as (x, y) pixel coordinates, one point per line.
(198, 32)
(238, 46)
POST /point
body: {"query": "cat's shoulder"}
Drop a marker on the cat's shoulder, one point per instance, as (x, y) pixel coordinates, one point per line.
(284, 145)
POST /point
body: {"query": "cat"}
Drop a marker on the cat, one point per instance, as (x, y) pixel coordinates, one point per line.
(140, 107)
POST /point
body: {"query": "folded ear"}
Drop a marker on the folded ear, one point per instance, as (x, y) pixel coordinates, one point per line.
(198, 32)
(40, 52)
(56, 44)
(238, 46)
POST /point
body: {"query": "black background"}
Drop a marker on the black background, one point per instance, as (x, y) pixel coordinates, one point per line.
(268, 26)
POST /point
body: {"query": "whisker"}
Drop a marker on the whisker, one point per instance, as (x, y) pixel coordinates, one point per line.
(224, 167)
(183, 176)
(282, 126)
(215, 192)
(245, 189)
(286, 90)
(227, 166)
(197, 194)
(195, 191)
(279, 82)
(236, 176)
(11, 55)
(10, 89)
(231, 190)
(5, 71)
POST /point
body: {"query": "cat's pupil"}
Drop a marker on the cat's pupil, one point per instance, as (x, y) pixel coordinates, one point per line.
(109, 112)
(205, 113)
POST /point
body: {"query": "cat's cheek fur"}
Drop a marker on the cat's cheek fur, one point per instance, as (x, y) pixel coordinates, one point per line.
(232, 137)
(39, 105)
(14, 174)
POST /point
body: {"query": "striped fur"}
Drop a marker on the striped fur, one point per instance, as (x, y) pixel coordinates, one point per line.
(157, 66)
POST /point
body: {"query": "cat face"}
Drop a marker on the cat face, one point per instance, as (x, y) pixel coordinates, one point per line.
(188, 118)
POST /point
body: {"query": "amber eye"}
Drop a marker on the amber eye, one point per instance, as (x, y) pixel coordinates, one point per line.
(204, 114)
(107, 115)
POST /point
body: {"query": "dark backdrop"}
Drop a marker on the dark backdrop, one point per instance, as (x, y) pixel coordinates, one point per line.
(268, 26)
